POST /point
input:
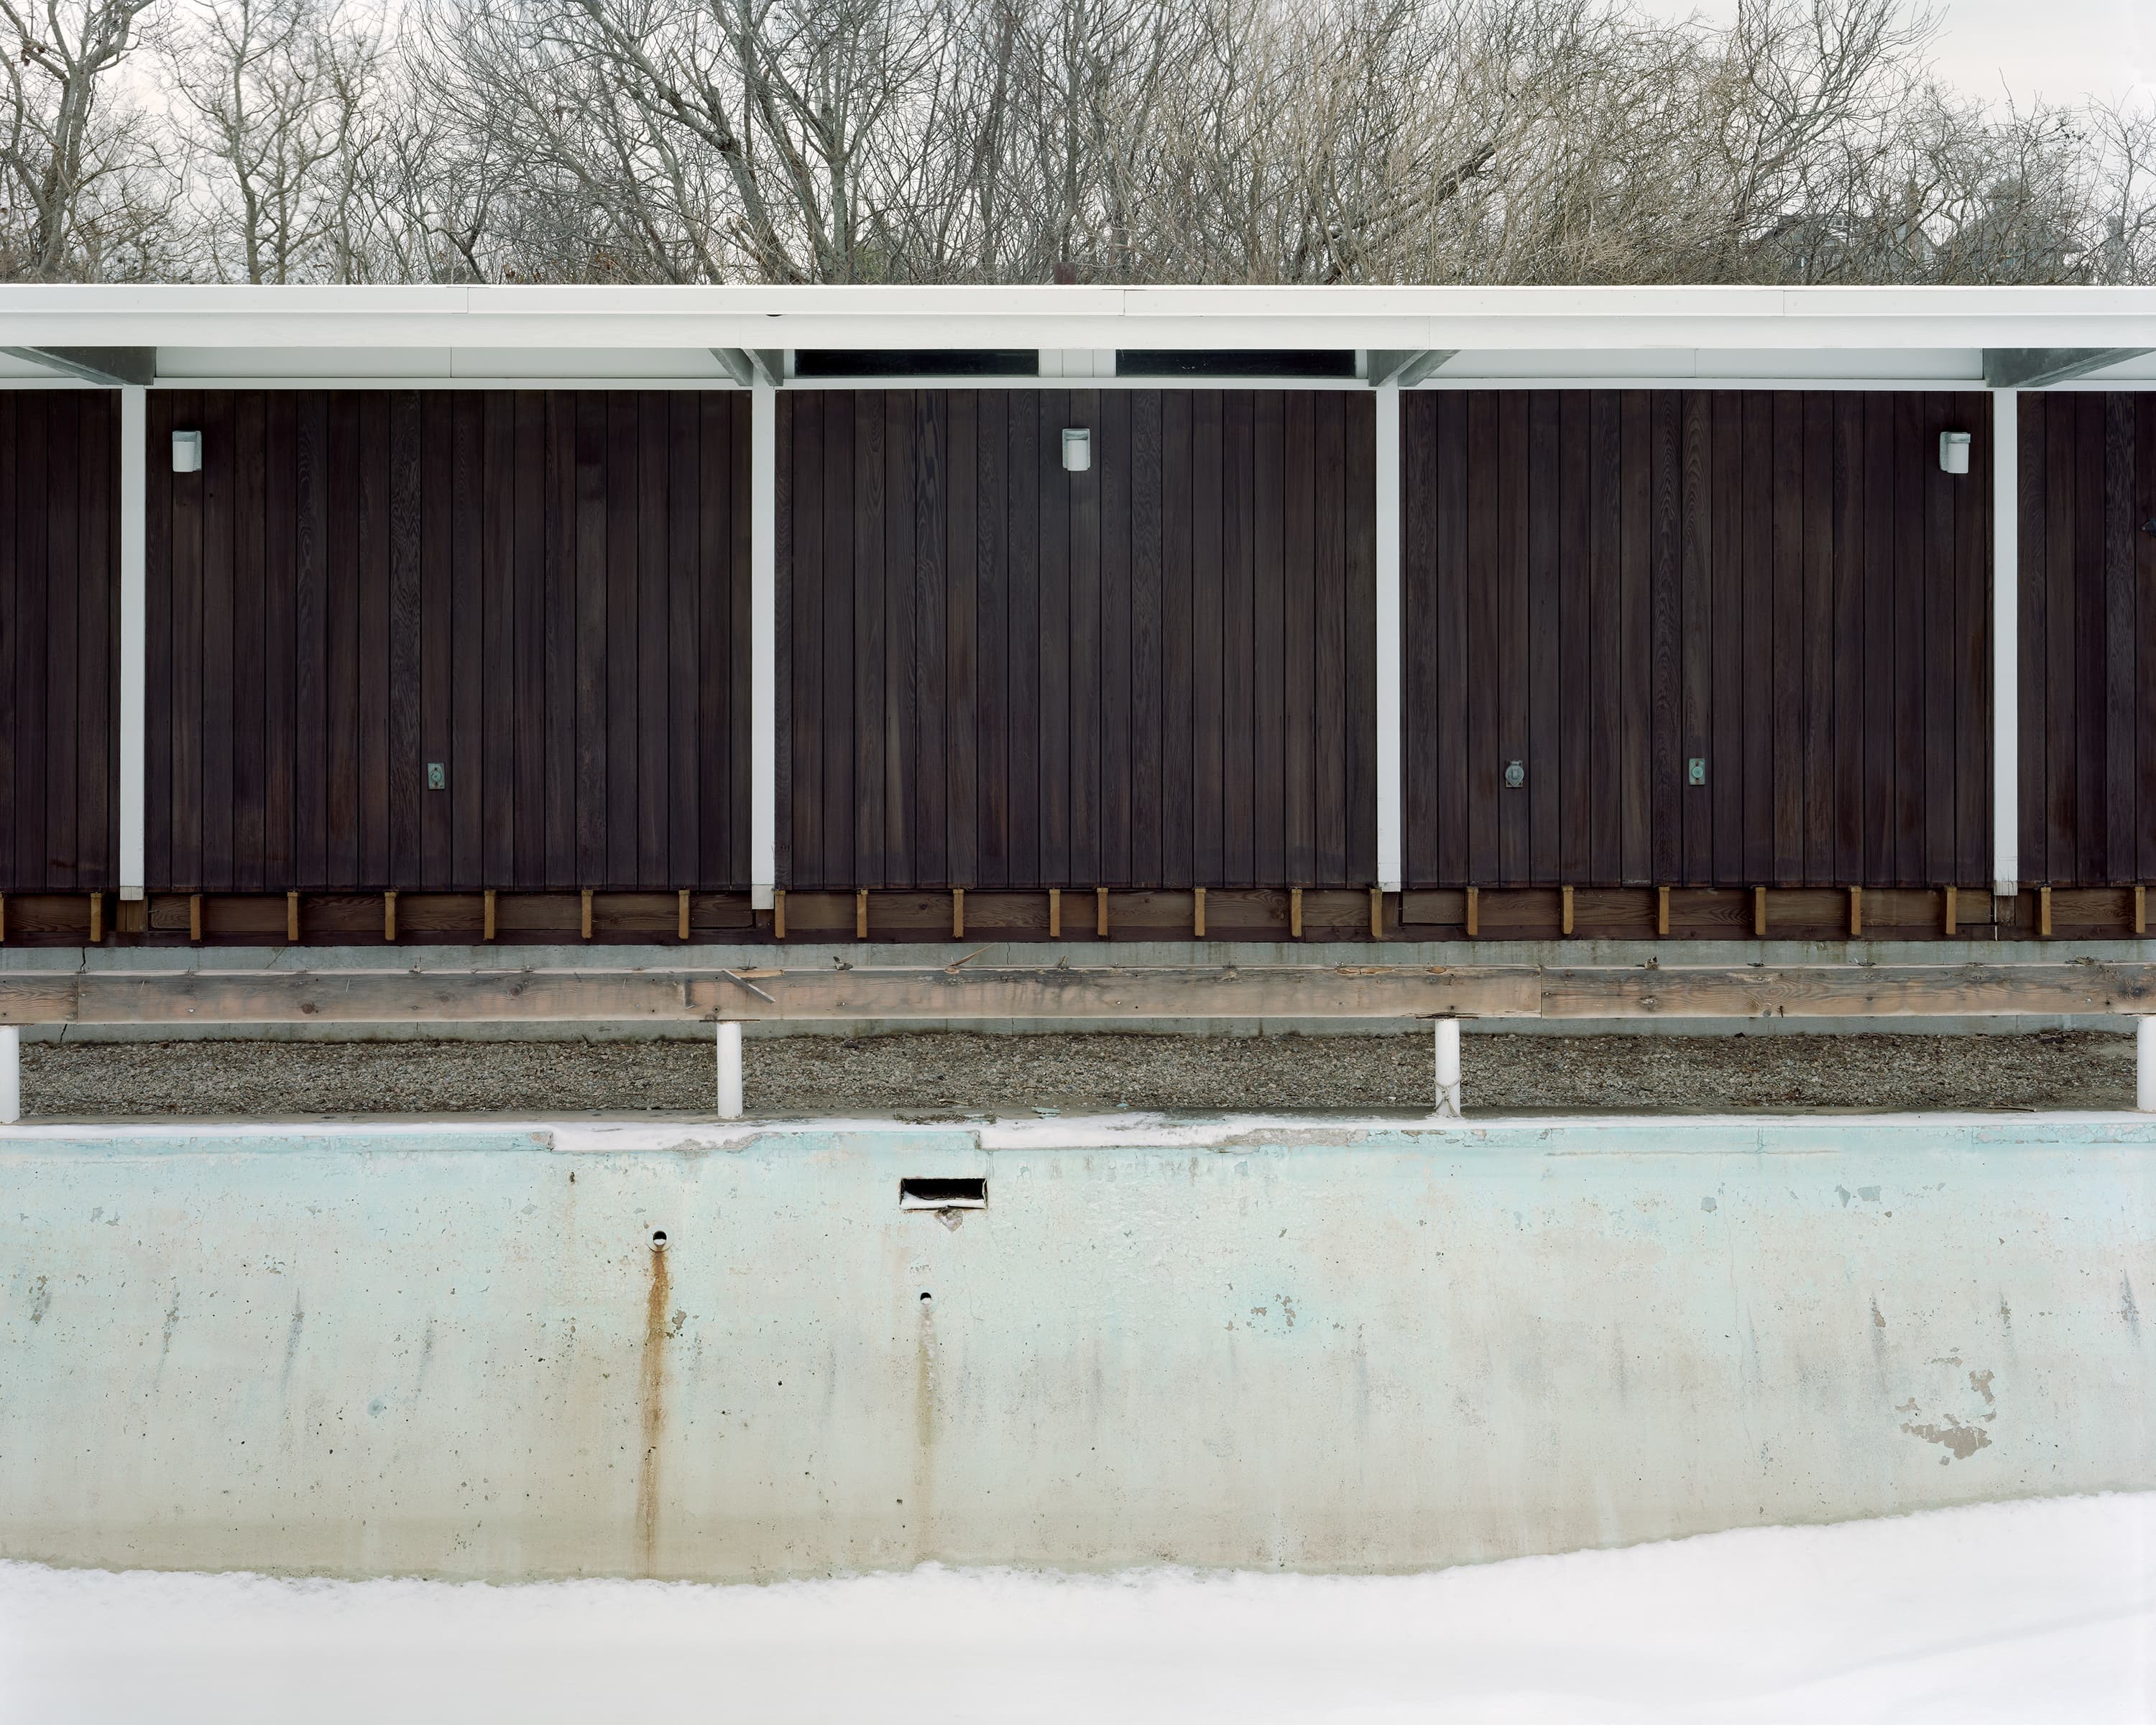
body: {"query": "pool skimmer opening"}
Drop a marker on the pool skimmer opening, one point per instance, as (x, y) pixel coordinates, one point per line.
(943, 1194)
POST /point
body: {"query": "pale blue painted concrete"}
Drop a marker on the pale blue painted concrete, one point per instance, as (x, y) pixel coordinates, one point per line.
(1335, 1344)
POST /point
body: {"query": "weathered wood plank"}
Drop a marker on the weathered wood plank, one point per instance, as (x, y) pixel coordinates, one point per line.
(925, 993)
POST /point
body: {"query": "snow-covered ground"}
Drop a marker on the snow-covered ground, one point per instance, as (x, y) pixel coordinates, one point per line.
(2042, 1610)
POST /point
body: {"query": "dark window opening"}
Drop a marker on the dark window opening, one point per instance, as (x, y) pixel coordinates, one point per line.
(917, 362)
(1256, 362)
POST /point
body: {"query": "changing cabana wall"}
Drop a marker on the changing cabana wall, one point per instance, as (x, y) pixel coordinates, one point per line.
(844, 640)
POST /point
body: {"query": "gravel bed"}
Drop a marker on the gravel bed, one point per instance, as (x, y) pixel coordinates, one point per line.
(951, 1074)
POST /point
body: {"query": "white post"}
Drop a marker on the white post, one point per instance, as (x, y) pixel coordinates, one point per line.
(1448, 1069)
(2005, 645)
(1390, 824)
(730, 1072)
(763, 645)
(2144, 1065)
(134, 635)
(11, 1075)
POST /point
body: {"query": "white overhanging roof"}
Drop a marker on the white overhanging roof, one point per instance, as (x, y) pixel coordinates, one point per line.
(1935, 336)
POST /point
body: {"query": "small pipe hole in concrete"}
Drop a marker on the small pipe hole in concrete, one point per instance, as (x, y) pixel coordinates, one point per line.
(659, 1239)
(942, 1194)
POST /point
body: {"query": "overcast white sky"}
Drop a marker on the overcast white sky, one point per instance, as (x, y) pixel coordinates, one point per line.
(2063, 49)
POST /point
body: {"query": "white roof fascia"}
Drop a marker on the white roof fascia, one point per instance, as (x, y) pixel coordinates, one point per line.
(537, 320)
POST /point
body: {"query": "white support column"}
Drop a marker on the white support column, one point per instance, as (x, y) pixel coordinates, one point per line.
(763, 645)
(2005, 643)
(730, 1071)
(1448, 1069)
(1391, 824)
(11, 1075)
(2144, 1065)
(134, 605)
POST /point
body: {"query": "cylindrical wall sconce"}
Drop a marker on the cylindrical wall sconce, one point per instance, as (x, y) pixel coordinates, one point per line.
(1077, 449)
(1953, 452)
(187, 452)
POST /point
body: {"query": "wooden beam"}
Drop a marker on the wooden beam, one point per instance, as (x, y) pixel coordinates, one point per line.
(1661, 910)
(684, 911)
(389, 915)
(97, 919)
(958, 913)
(1473, 915)
(1055, 913)
(1091, 993)
(1295, 912)
(1564, 911)
(1376, 913)
(584, 913)
(1198, 913)
(292, 919)
(2044, 911)
(1100, 913)
(2141, 910)
(1950, 909)
(194, 916)
(1856, 912)
(486, 915)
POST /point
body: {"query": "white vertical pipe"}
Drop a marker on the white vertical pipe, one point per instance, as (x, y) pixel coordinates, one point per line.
(11, 1075)
(2005, 644)
(1448, 1069)
(2144, 1065)
(134, 605)
(764, 644)
(730, 1071)
(1390, 825)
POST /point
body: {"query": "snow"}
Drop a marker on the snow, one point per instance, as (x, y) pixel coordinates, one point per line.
(2036, 1610)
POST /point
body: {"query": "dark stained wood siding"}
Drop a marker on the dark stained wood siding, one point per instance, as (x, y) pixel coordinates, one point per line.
(548, 593)
(2087, 606)
(1156, 673)
(1604, 584)
(59, 590)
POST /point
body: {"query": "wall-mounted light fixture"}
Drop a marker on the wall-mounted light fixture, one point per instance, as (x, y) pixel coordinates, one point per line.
(1077, 449)
(1953, 452)
(187, 452)
(1516, 774)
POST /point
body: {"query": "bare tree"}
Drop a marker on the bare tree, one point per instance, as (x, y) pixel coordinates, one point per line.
(86, 194)
(932, 141)
(275, 99)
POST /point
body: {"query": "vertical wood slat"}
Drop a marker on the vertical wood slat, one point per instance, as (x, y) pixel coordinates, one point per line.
(1780, 584)
(387, 580)
(2087, 684)
(59, 453)
(1140, 674)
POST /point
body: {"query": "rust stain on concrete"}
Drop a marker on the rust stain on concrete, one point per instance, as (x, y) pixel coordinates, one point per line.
(651, 1402)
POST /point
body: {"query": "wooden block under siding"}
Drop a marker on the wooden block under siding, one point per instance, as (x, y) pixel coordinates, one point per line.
(34, 914)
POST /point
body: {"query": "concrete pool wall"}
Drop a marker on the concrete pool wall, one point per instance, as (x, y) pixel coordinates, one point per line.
(451, 1350)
